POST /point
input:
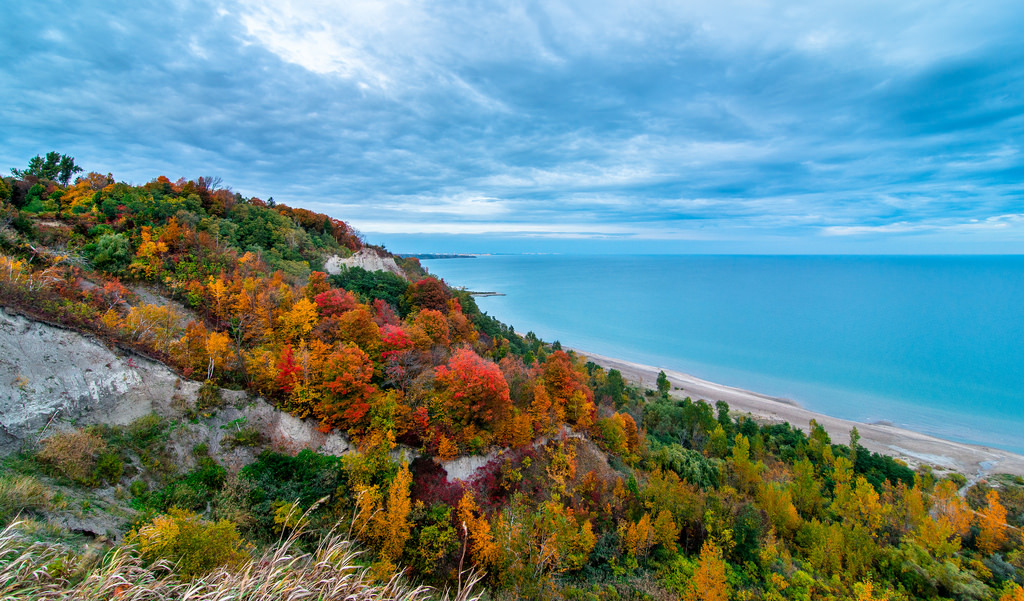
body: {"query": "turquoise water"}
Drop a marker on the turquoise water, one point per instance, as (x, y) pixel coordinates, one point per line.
(935, 344)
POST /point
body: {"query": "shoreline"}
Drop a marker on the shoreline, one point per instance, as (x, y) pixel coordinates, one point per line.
(974, 461)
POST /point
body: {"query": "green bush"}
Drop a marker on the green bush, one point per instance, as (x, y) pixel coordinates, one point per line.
(246, 437)
(111, 253)
(275, 477)
(193, 491)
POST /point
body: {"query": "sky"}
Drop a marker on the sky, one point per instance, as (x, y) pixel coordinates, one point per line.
(647, 126)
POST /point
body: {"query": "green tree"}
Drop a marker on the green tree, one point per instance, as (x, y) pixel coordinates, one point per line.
(663, 384)
(615, 387)
(55, 167)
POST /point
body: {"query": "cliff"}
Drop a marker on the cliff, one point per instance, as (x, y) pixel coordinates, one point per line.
(369, 259)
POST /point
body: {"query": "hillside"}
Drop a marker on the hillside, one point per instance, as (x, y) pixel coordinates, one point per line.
(195, 374)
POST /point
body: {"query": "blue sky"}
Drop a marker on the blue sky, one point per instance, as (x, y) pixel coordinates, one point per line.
(746, 126)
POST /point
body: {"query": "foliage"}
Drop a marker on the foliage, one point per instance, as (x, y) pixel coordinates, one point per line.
(191, 491)
(381, 285)
(193, 546)
(275, 478)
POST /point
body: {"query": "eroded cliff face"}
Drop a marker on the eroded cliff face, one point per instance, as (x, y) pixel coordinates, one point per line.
(51, 375)
(368, 259)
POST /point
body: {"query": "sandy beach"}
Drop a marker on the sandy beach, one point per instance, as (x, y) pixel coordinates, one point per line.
(973, 461)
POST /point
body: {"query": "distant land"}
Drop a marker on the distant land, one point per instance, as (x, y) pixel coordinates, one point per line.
(440, 256)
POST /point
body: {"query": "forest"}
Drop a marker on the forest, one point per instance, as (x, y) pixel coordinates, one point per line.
(593, 488)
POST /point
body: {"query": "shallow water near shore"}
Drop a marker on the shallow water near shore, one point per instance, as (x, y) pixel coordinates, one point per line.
(934, 344)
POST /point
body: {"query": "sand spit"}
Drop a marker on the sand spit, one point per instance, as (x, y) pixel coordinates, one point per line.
(974, 461)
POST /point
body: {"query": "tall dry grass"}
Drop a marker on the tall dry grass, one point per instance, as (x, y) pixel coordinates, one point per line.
(19, 493)
(42, 572)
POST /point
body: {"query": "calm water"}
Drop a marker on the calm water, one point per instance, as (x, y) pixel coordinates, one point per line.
(935, 344)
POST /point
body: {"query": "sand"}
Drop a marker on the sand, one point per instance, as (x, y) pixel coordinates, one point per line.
(974, 461)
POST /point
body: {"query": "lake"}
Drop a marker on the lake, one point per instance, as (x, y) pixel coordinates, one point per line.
(934, 343)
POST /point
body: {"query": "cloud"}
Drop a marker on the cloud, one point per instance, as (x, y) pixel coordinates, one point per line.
(998, 222)
(721, 120)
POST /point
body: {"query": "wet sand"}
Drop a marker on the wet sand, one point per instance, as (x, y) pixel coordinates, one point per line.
(974, 461)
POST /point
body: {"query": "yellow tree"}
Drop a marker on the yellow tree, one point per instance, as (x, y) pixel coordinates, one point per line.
(148, 263)
(637, 538)
(950, 521)
(477, 530)
(708, 583)
(297, 322)
(1012, 592)
(777, 502)
(747, 472)
(219, 291)
(858, 502)
(382, 522)
(396, 526)
(865, 591)
(217, 345)
(666, 532)
(992, 524)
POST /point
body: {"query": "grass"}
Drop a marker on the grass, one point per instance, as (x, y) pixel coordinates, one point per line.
(45, 571)
(20, 493)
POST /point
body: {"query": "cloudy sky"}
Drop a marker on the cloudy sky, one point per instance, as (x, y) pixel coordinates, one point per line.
(643, 126)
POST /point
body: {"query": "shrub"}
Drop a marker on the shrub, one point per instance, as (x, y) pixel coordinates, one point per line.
(246, 437)
(275, 477)
(192, 491)
(81, 456)
(209, 396)
(195, 546)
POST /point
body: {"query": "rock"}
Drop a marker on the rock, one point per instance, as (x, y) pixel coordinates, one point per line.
(49, 374)
(368, 258)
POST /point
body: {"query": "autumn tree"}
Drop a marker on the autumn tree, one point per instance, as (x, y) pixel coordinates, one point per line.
(475, 390)
(708, 583)
(382, 519)
(991, 524)
(747, 472)
(636, 538)
(357, 327)
(394, 522)
(567, 390)
(482, 547)
(428, 293)
(335, 302)
(951, 519)
(346, 374)
(1012, 592)
(428, 329)
(316, 285)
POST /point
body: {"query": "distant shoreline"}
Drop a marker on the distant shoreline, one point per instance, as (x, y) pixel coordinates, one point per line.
(915, 448)
(432, 256)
